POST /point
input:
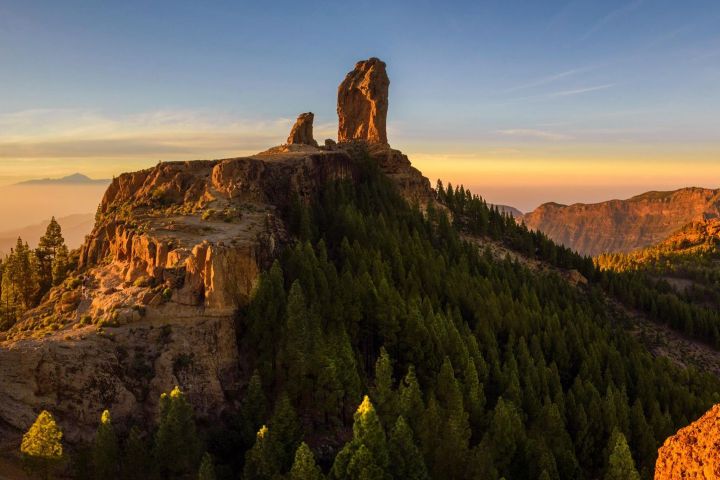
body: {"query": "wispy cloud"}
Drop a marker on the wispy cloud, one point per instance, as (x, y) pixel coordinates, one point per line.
(549, 79)
(612, 16)
(562, 93)
(534, 133)
(50, 133)
(579, 91)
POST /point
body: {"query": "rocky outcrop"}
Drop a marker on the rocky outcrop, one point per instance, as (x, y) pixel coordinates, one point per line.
(79, 373)
(363, 103)
(302, 131)
(693, 452)
(175, 250)
(624, 225)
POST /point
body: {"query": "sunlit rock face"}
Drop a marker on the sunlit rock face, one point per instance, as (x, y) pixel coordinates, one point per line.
(363, 103)
(693, 452)
(624, 225)
(302, 131)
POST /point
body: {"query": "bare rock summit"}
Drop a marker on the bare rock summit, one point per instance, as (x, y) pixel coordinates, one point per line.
(302, 131)
(363, 103)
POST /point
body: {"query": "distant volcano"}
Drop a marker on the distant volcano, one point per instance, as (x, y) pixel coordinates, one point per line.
(74, 179)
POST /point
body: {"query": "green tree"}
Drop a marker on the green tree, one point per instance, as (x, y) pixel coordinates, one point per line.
(207, 468)
(47, 251)
(41, 446)
(406, 461)
(136, 461)
(60, 265)
(253, 409)
(19, 282)
(383, 391)
(177, 446)
(620, 462)
(260, 461)
(304, 466)
(285, 433)
(366, 455)
(105, 450)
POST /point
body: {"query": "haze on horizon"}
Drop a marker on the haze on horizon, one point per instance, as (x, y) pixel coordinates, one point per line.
(524, 102)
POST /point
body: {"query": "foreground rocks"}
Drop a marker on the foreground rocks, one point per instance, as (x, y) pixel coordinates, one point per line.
(363, 103)
(693, 452)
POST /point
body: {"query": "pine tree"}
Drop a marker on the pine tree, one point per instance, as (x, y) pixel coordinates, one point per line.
(406, 461)
(253, 409)
(411, 399)
(48, 248)
(136, 458)
(304, 466)
(285, 433)
(454, 435)
(260, 461)
(176, 442)
(366, 455)
(207, 468)
(105, 450)
(60, 265)
(620, 462)
(296, 352)
(383, 392)
(41, 446)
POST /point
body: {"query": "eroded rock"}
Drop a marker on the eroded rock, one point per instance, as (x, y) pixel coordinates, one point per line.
(302, 131)
(363, 103)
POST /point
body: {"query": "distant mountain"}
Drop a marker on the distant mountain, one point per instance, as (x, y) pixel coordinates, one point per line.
(74, 179)
(74, 229)
(624, 225)
(514, 212)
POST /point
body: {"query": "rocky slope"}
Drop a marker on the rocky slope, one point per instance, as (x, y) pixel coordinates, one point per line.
(175, 251)
(693, 452)
(624, 225)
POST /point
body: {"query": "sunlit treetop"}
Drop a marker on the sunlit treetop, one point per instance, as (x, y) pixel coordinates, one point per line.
(44, 439)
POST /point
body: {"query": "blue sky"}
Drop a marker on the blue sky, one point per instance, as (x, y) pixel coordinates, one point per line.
(526, 101)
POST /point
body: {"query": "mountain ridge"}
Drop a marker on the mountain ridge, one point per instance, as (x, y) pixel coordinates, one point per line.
(73, 179)
(624, 225)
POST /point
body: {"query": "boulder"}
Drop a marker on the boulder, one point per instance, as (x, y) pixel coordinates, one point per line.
(302, 131)
(363, 103)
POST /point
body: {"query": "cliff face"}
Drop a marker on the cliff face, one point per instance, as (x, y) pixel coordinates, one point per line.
(693, 452)
(176, 249)
(624, 225)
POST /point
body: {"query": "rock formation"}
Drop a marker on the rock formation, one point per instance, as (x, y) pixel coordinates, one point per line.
(624, 225)
(693, 452)
(302, 131)
(363, 103)
(175, 251)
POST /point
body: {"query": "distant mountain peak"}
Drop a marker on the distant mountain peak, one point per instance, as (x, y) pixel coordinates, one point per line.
(74, 179)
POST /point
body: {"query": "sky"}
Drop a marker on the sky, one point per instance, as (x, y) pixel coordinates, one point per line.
(522, 101)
